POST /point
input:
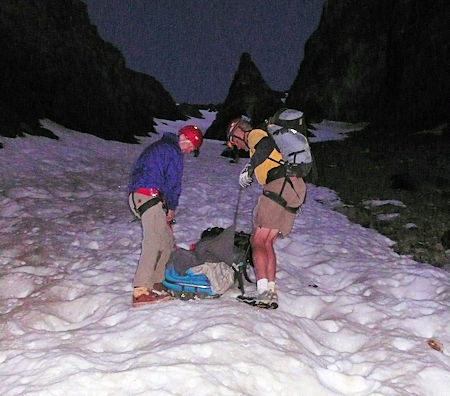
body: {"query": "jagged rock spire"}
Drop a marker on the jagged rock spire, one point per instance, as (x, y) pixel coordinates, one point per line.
(249, 94)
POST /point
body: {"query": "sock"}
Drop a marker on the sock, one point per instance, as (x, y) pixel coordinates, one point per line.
(261, 285)
(271, 285)
(139, 291)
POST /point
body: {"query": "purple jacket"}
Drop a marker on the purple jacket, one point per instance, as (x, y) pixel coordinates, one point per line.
(160, 166)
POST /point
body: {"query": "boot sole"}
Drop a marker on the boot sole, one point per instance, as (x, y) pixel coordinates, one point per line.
(140, 304)
(258, 304)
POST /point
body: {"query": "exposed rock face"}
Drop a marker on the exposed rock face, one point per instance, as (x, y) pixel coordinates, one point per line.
(54, 65)
(384, 61)
(248, 94)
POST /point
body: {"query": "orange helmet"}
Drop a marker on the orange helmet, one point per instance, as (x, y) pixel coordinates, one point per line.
(193, 134)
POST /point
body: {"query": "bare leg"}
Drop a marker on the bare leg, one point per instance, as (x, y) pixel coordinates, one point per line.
(271, 258)
(263, 253)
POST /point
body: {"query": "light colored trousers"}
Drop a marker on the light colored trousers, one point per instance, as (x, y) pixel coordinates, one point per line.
(157, 243)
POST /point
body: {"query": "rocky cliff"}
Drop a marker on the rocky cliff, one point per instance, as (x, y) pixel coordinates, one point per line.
(53, 64)
(383, 61)
(248, 95)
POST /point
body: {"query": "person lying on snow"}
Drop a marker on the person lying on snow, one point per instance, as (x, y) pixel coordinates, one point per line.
(272, 216)
(153, 193)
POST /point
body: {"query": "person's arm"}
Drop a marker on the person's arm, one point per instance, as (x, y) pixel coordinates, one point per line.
(173, 175)
(262, 151)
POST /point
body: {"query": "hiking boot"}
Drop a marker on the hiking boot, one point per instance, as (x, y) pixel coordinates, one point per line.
(159, 290)
(273, 297)
(158, 286)
(267, 299)
(141, 296)
(263, 299)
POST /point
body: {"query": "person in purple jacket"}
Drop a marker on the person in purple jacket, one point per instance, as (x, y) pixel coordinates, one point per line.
(154, 191)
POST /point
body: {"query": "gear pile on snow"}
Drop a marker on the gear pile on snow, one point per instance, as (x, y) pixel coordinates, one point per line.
(210, 267)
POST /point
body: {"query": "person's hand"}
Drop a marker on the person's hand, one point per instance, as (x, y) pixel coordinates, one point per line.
(170, 217)
(245, 180)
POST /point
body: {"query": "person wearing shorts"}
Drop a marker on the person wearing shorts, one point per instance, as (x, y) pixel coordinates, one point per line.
(275, 212)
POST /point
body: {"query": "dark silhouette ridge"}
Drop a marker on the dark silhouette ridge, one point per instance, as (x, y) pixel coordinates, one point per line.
(55, 65)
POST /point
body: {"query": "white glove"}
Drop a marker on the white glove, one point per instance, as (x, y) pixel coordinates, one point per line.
(245, 180)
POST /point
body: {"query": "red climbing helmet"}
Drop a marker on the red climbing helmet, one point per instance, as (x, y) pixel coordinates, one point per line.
(193, 134)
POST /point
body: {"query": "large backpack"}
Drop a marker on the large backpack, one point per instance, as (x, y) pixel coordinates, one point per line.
(288, 129)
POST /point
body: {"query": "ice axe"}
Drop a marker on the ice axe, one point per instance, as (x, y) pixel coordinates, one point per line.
(239, 268)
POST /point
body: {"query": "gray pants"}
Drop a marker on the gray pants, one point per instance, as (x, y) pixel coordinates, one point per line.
(157, 243)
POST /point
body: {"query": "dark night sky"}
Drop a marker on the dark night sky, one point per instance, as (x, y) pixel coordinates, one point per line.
(192, 47)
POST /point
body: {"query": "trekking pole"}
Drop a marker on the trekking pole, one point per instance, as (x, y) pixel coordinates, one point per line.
(236, 210)
(239, 268)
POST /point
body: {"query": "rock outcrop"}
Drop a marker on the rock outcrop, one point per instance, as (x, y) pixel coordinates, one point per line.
(54, 65)
(248, 95)
(383, 61)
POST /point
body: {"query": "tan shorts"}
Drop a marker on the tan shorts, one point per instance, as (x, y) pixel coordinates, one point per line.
(269, 214)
